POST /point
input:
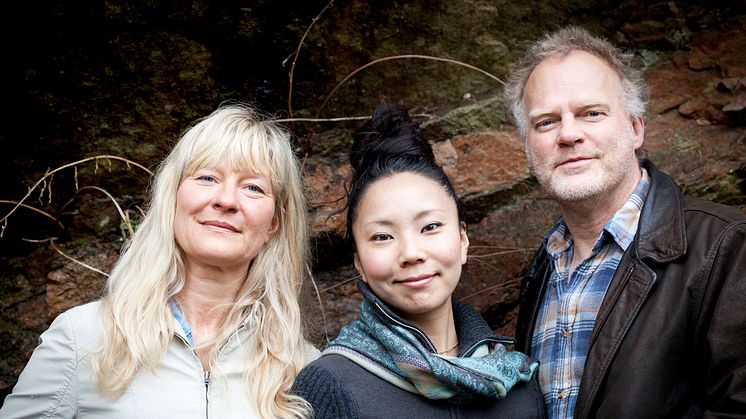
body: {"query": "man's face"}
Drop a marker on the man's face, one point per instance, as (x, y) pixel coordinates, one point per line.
(580, 141)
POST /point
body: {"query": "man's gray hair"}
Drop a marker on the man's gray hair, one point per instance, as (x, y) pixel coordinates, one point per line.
(635, 92)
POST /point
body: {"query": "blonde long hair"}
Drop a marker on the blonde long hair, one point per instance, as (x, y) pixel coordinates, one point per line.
(138, 324)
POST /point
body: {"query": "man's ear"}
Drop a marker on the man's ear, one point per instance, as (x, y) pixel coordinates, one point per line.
(638, 131)
(358, 267)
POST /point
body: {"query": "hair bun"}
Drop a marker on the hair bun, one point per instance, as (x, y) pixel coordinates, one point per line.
(389, 133)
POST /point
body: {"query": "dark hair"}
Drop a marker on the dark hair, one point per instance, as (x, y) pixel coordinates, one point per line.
(390, 143)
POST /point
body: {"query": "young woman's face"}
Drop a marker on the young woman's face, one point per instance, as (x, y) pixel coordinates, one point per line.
(410, 244)
(224, 217)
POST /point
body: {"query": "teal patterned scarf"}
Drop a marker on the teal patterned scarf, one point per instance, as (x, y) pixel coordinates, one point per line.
(397, 351)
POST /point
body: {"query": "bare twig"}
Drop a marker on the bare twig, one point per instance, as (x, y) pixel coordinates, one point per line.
(3, 201)
(502, 252)
(402, 57)
(83, 264)
(508, 284)
(321, 304)
(346, 118)
(295, 58)
(48, 174)
(125, 217)
(339, 284)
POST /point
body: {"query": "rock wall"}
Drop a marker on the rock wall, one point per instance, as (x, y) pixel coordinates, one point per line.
(137, 72)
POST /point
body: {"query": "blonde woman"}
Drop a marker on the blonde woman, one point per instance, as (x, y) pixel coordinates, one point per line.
(200, 316)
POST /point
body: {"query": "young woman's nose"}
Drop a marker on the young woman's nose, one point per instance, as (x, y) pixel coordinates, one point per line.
(410, 250)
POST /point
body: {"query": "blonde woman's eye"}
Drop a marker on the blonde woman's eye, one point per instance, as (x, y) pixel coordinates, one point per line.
(254, 188)
(206, 178)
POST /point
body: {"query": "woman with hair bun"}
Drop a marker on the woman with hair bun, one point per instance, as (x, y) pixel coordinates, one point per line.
(200, 316)
(414, 351)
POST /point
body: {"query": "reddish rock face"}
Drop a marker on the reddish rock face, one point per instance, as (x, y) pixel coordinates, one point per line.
(483, 163)
(695, 131)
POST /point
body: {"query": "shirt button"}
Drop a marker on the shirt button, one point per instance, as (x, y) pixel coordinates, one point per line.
(562, 394)
(565, 332)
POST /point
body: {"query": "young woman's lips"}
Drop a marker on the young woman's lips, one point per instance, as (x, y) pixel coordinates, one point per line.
(416, 281)
(220, 225)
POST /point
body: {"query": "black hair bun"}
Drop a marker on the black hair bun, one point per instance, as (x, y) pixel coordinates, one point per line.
(389, 133)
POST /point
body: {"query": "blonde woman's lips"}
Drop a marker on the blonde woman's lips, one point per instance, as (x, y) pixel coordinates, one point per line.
(220, 225)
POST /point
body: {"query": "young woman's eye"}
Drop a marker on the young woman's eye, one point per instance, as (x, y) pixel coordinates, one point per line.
(379, 237)
(431, 227)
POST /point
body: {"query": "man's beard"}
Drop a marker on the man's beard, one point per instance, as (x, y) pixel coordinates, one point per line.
(607, 173)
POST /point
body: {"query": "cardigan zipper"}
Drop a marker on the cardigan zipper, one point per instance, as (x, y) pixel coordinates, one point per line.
(207, 389)
(476, 344)
(414, 329)
(432, 347)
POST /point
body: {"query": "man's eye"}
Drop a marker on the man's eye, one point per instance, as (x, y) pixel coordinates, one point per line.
(544, 123)
(594, 114)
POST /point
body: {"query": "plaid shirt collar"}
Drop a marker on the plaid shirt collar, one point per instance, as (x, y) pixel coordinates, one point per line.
(621, 228)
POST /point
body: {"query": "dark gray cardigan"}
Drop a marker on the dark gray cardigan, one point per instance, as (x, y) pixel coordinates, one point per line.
(336, 387)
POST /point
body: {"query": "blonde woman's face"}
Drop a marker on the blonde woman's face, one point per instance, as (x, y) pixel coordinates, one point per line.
(224, 217)
(410, 244)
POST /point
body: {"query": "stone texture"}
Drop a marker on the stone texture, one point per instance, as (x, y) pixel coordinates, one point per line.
(129, 79)
(483, 163)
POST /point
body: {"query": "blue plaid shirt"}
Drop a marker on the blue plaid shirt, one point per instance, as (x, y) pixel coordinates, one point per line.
(570, 304)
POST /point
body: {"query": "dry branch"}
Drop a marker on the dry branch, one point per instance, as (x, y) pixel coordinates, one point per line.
(50, 174)
(295, 58)
(403, 57)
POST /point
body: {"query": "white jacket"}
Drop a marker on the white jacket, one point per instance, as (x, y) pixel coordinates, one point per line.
(58, 381)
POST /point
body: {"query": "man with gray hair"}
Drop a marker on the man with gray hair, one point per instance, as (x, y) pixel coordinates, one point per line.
(633, 301)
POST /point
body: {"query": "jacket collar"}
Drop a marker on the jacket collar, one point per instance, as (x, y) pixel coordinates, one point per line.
(470, 326)
(661, 232)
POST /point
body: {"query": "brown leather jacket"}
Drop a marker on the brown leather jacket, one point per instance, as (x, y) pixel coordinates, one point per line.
(670, 336)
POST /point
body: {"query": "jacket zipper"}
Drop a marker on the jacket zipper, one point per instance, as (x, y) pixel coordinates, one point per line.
(207, 389)
(206, 374)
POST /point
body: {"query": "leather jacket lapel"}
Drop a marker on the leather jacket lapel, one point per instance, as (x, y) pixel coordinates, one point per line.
(623, 302)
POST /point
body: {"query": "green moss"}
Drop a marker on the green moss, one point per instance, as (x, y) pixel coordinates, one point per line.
(78, 242)
(477, 116)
